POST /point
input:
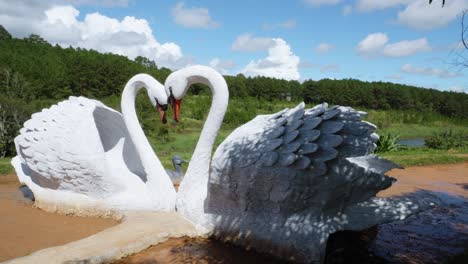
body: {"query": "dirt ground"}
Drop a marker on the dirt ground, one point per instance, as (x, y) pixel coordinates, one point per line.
(450, 178)
(430, 237)
(25, 229)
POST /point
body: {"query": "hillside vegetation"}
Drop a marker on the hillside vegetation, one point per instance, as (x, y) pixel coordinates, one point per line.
(35, 74)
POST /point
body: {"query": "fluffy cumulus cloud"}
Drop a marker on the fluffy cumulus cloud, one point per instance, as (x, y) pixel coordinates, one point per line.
(323, 48)
(130, 36)
(372, 44)
(246, 42)
(321, 2)
(193, 17)
(406, 47)
(429, 71)
(280, 63)
(376, 44)
(420, 15)
(223, 66)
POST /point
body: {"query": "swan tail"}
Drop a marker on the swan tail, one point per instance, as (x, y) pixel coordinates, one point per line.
(384, 210)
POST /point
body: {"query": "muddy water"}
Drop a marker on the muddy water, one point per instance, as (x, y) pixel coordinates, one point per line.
(430, 237)
(24, 229)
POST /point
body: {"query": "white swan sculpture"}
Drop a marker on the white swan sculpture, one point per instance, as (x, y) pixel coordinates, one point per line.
(82, 157)
(282, 183)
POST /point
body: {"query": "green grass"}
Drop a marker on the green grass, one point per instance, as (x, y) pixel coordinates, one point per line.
(425, 156)
(5, 166)
(414, 124)
(170, 139)
(421, 131)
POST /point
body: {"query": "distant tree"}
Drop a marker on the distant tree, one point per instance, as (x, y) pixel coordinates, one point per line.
(4, 34)
(146, 62)
(36, 39)
(13, 113)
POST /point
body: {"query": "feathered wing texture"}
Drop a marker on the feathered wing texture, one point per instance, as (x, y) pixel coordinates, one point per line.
(283, 183)
(317, 155)
(62, 149)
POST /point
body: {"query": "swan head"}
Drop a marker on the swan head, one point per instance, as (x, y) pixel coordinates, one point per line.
(178, 83)
(156, 93)
(176, 87)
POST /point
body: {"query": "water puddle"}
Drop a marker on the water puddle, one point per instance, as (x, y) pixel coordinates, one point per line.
(429, 237)
(412, 142)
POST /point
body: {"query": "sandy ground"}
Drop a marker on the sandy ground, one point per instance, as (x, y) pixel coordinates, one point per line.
(451, 179)
(430, 237)
(24, 229)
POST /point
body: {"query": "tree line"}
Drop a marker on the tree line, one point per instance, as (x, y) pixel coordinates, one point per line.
(35, 74)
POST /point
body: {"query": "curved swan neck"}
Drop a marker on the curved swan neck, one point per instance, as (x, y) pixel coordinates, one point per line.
(200, 162)
(149, 160)
(194, 187)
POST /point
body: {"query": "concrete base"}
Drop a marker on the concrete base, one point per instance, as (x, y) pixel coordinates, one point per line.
(138, 231)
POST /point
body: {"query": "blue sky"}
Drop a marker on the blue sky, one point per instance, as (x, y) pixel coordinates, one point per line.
(403, 41)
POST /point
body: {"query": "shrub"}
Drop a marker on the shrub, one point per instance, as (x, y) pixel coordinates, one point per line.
(447, 140)
(388, 142)
(13, 113)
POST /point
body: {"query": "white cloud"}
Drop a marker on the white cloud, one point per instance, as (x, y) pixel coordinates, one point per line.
(428, 71)
(371, 5)
(280, 63)
(420, 15)
(288, 24)
(246, 42)
(106, 3)
(347, 10)
(223, 66)
(194, 17)
(130, 36)
(372, 44)
(406, 48)
(377, 44)
(324, 48)
(321, 2)
(458, 89)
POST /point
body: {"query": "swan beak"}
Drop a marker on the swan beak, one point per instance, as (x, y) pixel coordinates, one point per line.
(176, 107)
(162, 113)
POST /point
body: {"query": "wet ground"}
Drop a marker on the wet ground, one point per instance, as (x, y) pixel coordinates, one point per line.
(25, 229)
(434, 236)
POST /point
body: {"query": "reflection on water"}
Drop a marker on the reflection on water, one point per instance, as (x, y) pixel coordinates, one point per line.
(432, 236)
(412, 142)
(197, 250)
(429, 237)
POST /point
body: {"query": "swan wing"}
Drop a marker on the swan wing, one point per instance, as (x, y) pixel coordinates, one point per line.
(62, 148)
(299, 159)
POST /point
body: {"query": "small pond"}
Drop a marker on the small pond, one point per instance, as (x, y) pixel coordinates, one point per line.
(412, 142)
